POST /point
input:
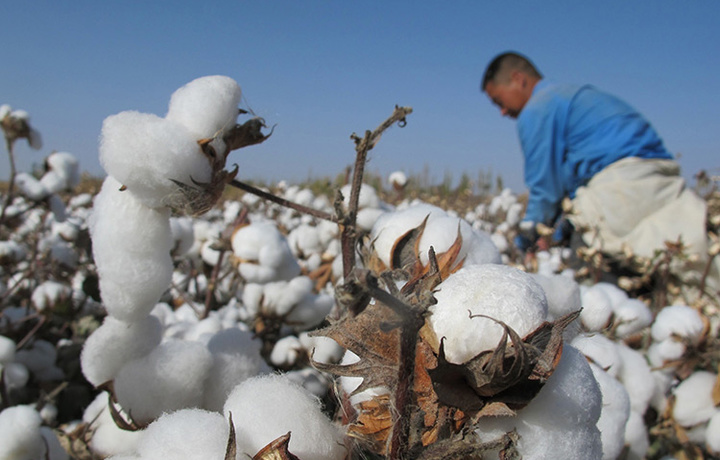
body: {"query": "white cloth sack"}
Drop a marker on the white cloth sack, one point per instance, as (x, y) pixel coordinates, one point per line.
(640, 203)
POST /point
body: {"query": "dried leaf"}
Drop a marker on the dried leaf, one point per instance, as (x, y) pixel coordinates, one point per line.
(231, 449)
(276, 450)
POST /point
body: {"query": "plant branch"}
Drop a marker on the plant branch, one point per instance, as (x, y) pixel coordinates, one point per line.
(362, 147)
(281, 201)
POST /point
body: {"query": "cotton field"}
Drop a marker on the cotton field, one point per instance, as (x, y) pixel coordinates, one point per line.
(159, 318)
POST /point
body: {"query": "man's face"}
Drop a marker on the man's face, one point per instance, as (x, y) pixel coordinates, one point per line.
(510, 97)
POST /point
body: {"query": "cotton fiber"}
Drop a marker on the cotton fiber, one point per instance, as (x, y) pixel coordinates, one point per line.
(631, 315)
(562, 293)
(115, 343)
(144, 152)
(20, 437)
(207, 106)
(614, 414)
(596, 308)
(107, 439)
(185, 435)
(679, 321)
(265, 408)
(131, 246)
(693, 399)
(497, 291)
(171, 377)
(264, 253)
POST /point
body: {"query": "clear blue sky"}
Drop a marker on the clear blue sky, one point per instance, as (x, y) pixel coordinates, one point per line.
(321, 70)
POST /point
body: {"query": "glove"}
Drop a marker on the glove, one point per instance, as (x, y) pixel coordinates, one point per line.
(563, 231)
(523, 243)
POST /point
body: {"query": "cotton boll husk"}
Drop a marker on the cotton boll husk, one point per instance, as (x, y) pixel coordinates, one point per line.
(562, 293)
(677, 320)
(631, 316)
(171, 377)
(712, 434)
(614, 415)
(144, 152)
(265, 408)
(601, 351)
(131, 247)
(500, 292)
(185, 434)
(637, 377)
(206, 106)
(107, 439)
(597, 308)
(115, 343)
(236, 357)
(20, 437)
(636, 436)
(560, 422)
(693, 399)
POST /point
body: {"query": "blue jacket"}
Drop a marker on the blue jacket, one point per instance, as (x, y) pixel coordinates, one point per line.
(570, 133)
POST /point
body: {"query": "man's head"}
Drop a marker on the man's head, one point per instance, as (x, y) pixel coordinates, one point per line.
(509, 81)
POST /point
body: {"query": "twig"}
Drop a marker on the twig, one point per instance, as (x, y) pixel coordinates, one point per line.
(281, 201)
(362, 147)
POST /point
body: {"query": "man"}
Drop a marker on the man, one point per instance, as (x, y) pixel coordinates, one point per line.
(587, 145)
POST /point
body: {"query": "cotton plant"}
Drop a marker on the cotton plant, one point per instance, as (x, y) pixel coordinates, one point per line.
(262, 253)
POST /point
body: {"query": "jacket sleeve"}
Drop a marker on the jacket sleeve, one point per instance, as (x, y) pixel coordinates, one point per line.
(542, 138)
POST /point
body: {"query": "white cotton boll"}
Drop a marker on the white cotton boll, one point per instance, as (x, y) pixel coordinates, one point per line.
(63, 172)
(322, 349)
(209, 254)
(49, 413)
(12, 251)
(637, 377)
(204, 329)
(206, 106)
(7, 350)
(15, 375)
(693, 399)
(236, 358)
(500, 242)
(631, 316)
(49, 293)
(310, 379)
(397, 179)
(182, 234)
(185, 434)
(601, 351)
(367, 217)
(614, 415)
(20, 437)
(677, 320)
(614, 293)
(666, 351)
(304, 240)
(560, 422)
(514, 214)
(31, 187)
(264, 253)
(107, 439)
(311, 311)
(500, 292)
(712, 434)
(597, 308)
(636, 436)
(265, 408)
(68, 231)
(144, 152)
(131, 247)
(115, 343)
(171, 377)
(368, 196)
(562, 293)
(5, 110)
(286, 351)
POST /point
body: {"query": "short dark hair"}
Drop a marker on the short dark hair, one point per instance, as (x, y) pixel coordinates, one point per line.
(500, 67)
